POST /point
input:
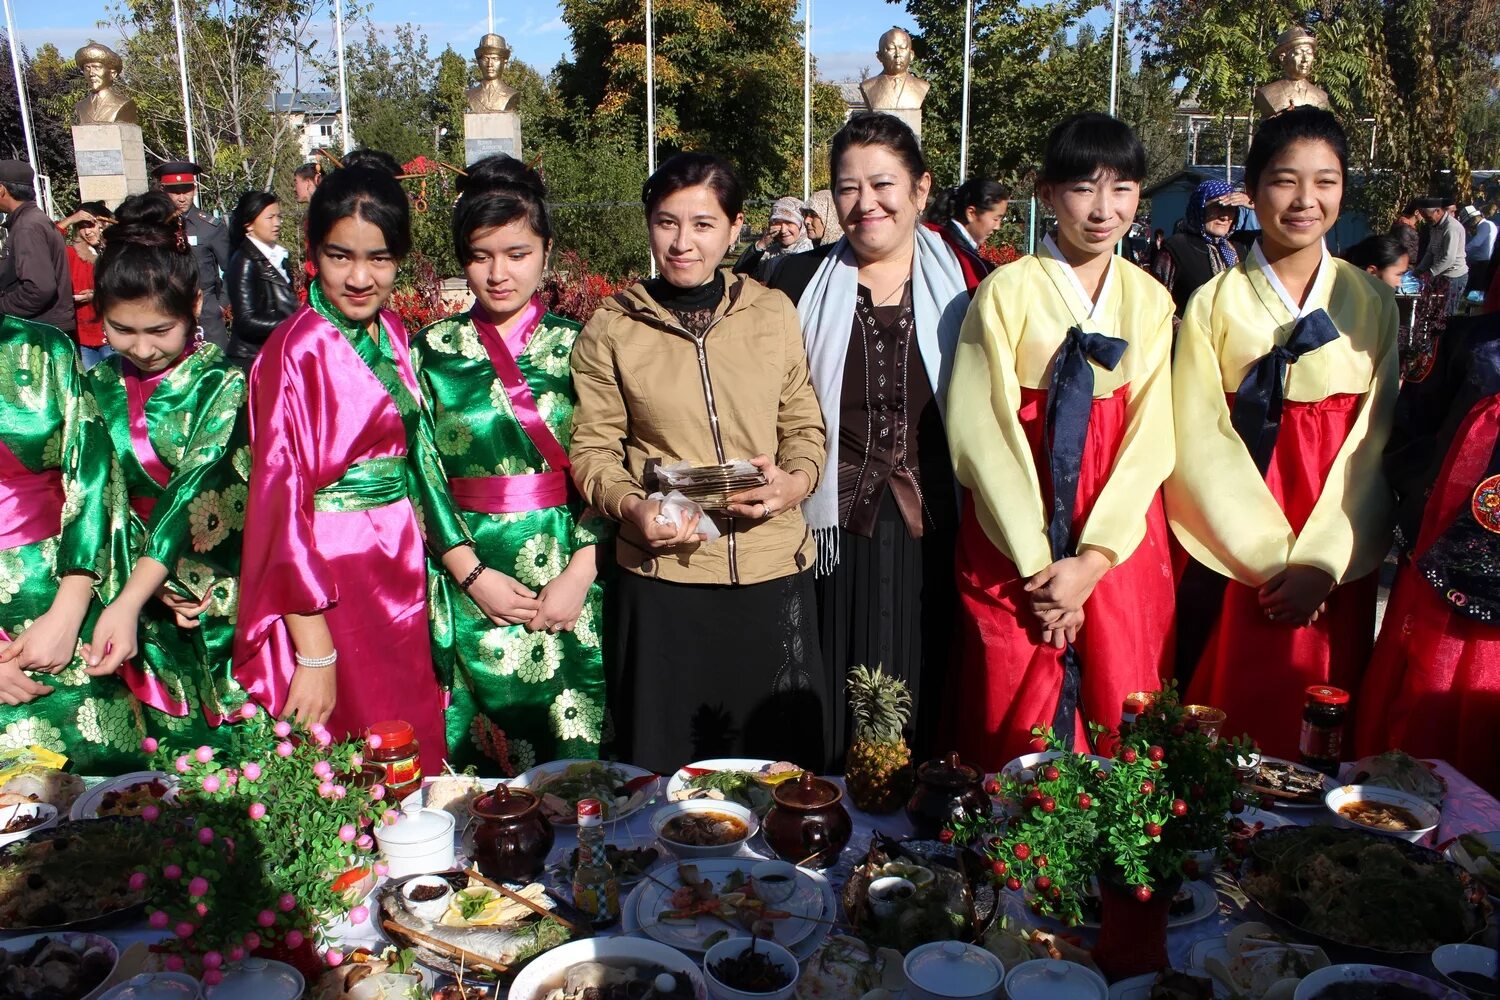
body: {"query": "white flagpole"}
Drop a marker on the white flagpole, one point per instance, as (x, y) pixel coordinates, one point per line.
(182, 78)
(650, 103)
(963, 128)
(25, 106)
(807, 102)
(1114, 59)
(492, 17)
(338, 32)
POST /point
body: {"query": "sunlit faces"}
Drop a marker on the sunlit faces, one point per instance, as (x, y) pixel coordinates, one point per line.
(146, 336)
(1218, 220)
(816, 228)
(981, 225)
(182, 199)
(267, 224)
(1093, 213)
(1298, 194)
(690, 234)
(785, 232)
(91, 233)
(505, 267)
(878, 201)
(356, 269)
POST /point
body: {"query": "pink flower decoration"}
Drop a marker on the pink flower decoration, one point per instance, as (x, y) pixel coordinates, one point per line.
(206, 836)
(149, 744)
(204, 754)
(150, 813)
(173, 963)
(181, 764)
(377, 792)
(287, 902)
(382, 869)
(294, 939)
(283, 729)
(236, 953)
(333, 957)
(323, 769)
(265, 918)
(339, 791)
(252, 941)
(325, 789)
(198, 887)
(201, 909)
(359, 914)
(346, 832)
(212, 960)
(356, 761)
(184, 929)
(374, 741)
(248, 710)
(285, 749)
(257, 811)
(211, 784)
(389, 817)
(322, 738)
(158, 919)
(364, 842)
(171, 873)
(138, 881)
(212, 977)
(252, 771)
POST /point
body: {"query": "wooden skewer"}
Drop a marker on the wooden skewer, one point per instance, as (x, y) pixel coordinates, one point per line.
(531, 905)
(444, 948)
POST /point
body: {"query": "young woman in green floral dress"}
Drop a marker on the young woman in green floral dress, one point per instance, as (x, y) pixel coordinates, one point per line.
(59, 491)
(516, 617)
(175, 412)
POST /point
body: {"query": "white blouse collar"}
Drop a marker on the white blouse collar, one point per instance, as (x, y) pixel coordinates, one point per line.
(1314, 297)
(1089, 306)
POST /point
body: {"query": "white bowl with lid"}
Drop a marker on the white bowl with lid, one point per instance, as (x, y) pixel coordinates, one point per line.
(259, 979)
(952, 970)
(156, 986)
(418, 843)
(1054, 979)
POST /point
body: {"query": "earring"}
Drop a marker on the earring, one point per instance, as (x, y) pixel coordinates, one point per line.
(197, 337)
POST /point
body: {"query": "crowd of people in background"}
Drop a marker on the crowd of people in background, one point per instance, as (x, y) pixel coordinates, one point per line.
(1028, 489)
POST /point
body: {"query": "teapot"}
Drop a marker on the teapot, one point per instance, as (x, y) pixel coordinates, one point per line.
(947, 790)
(808, 824)
(512, 837)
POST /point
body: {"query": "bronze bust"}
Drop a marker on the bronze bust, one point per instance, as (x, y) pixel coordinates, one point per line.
(895, 89)
(105, 104)
(1295, 50)
(490, 95)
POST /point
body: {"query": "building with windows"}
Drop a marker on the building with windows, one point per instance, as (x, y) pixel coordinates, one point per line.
(315, 117)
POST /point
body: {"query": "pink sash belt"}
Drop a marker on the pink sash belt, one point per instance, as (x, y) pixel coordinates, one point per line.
(510, 494)
(30, 507)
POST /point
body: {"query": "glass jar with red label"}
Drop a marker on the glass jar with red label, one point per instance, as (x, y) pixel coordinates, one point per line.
(393, 745)
(1323, 716)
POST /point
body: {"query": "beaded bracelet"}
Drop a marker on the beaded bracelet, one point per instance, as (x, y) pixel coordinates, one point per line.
(479, 567)
(316, 662)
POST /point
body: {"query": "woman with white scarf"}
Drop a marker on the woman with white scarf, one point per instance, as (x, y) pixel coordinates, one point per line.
(260, 286)
(785, 234)
(881, 310)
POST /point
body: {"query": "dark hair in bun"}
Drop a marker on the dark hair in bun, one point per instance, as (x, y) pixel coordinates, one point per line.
(497, 191)
(146, 256)
(365, 193)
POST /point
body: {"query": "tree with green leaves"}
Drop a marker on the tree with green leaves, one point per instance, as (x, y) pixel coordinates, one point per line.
(53, 87)
(390, 86)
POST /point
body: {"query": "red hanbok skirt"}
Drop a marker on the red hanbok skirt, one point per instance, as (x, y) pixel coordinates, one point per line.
(1433, 688)
(1255, 669)
(1008, 681)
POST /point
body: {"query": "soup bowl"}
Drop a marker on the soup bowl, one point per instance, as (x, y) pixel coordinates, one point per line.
(1346, 797)
(546, 972)
(702, 808)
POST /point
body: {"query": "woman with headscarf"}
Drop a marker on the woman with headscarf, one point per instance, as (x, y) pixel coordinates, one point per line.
(822, 219)
(786, 234)
(1205, 247)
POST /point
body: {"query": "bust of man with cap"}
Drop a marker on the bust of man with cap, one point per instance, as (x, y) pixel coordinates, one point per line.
(490, 95)
(105, 104)
(895, 89)
(208, 239)
(1295, 50)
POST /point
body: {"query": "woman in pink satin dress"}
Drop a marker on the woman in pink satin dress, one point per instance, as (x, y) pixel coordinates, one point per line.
(333, 611)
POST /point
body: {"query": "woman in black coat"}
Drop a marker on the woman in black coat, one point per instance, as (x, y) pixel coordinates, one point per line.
(260, 289)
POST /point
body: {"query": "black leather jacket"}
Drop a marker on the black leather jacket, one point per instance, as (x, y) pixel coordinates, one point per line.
(260, 295)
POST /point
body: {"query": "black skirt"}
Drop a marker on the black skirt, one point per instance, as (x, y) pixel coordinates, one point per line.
(697, 672)
(891, 600)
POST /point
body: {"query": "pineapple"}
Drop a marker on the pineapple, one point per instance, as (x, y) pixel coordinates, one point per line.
(878, 771)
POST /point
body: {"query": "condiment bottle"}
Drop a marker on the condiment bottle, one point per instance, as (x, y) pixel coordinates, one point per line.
(393, 745)
(1323, 714)
(596, 891)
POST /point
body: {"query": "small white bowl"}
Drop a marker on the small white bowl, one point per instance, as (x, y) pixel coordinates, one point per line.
(888, 893)
(784, 884)
(47, 812)
(1472, 958)
(737, 946)
(674, 809)
(431, 910)
(1427, 814)
(1319, 980)
(550, 966)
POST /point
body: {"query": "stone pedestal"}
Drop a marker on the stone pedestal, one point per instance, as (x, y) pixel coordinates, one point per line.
(488, 134)
(111, 162)
(912, 117)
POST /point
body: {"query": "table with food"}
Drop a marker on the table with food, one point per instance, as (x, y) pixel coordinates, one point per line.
(1160, 863)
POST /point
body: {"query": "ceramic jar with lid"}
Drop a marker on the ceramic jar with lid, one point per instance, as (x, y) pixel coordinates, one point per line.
(512, 836)
(1052, 979)
(947, 791)
(952, 970)
(259, 979)
(418, 843)
(808, 824)
(156, 986)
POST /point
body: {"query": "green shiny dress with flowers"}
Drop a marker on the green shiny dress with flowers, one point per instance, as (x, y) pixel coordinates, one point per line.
(518, 697)
(50, 425)
(194, 419)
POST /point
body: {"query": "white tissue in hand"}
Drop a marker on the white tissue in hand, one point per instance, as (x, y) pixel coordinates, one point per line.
(680, 510)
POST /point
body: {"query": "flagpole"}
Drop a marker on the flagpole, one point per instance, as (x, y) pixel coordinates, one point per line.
(22, 103)
(492, 16)
(963, 128)
(807, 102)
(1114, 58)
(650, 103)
(182, 79)
(338, 32)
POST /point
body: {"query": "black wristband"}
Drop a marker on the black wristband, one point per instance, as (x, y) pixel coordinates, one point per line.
(473, 575)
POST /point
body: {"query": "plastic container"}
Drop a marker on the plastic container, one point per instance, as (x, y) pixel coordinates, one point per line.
(156, 986)
(418, 843)
(259, 979)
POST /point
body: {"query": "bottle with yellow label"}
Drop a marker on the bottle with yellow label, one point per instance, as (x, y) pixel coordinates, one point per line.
(596, 891)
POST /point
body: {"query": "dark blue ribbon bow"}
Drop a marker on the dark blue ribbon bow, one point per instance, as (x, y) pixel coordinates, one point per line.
(1070, 402)
(1256, 415)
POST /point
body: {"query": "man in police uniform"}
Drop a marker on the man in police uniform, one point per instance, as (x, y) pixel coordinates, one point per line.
(209, 241)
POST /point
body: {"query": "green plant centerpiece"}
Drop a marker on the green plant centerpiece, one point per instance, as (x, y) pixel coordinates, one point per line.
(270, 842)
(1133, 825)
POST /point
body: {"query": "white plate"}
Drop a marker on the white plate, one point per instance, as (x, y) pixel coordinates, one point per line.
(551, 965)
(1217, 947)
(679, 780)
(1328, 785)
(536, 779)
(1268, 819)
(86, 806)
(631, 922)
(32, 809)
(80, 940)
(805, 902)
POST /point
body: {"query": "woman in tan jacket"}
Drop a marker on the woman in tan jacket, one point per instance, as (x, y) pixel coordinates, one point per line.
(715, 647)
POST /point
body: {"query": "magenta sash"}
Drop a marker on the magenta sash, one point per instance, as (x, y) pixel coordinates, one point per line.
(31, 503)
(138, 389)
(514, 494)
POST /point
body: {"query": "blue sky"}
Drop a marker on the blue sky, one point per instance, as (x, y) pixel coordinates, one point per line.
(844, 31)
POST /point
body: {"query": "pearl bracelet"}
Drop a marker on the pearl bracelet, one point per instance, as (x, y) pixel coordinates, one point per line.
(316, 662)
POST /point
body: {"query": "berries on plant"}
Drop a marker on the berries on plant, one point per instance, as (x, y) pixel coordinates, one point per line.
(1038, 745)
(1000, 868)
(1266, 801)
(1236, 804)
(945, 837)
(1155, 753)
(992, 787)
(1084, 801)
(1012, 883)
(1021, 851)
(1143, 893)
(1040, 861)
(1178, 729)
(1033, 799)
(1043, 883)
(1198, 791)
(1128, 755)
(1050, 773)
(1179, 807)
(1153, 829)
(1049, 804)
(1147, 787)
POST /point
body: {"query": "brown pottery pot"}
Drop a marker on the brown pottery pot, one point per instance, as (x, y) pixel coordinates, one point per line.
(808, 824)
(512, 837)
